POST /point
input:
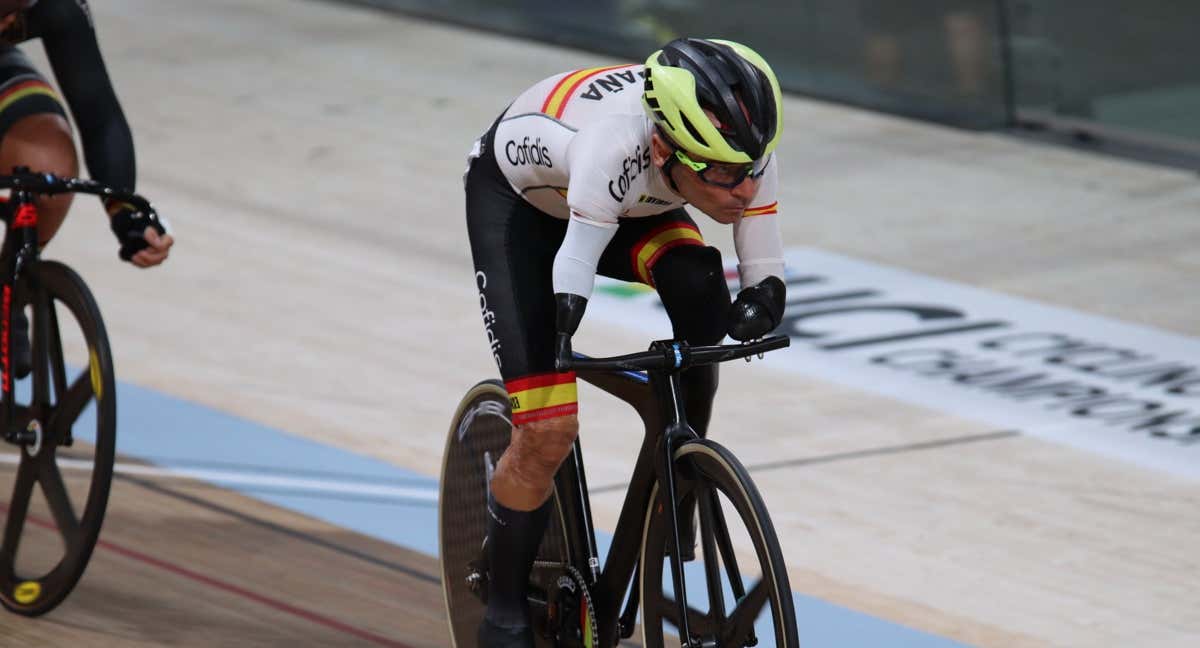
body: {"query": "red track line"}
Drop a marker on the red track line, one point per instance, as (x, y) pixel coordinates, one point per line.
(231, 588)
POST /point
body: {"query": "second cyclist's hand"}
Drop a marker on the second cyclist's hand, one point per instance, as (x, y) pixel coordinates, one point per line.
(158, 248)
(143, 237)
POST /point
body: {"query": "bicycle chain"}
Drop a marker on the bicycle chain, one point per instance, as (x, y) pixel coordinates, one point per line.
(586, 595)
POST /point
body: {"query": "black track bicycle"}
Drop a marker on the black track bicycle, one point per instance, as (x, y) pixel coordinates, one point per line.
(60, 423)
(734, 591)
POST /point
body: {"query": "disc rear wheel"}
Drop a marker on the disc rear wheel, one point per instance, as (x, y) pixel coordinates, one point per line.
(479, 434)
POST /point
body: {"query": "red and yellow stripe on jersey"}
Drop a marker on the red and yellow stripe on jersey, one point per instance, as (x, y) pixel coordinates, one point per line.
(556, 101)
(542, 396)
(648, 250)
(18, 91)
(773, 208)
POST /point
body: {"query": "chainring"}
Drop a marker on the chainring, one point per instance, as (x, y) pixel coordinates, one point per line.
(574, 616)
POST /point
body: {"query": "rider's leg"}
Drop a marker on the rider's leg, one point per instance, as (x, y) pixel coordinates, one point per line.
(666, 251)
(43, 143)
(545, 425)
(513, 245)
(519, 509)
(33, 133)
(691, 282)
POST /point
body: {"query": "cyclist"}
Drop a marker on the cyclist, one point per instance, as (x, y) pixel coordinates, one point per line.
(34, 131)
(587, 172)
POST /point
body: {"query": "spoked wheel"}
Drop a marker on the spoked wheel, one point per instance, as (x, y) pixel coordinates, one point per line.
(479, 433)
(737, 588)
(59, 467)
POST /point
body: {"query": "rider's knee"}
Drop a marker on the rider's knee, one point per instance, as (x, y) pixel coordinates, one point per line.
(691, 281)
(542, 445)
(42, 142)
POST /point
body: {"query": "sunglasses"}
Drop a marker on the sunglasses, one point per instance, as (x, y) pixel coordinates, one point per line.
(724, 174)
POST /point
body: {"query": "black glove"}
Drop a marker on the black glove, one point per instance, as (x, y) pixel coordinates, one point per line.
(757, 310)
(130, 228)
(566, 322)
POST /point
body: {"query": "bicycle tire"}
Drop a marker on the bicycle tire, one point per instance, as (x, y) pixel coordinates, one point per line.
(482, 424)
(45, 285)
(705, 468)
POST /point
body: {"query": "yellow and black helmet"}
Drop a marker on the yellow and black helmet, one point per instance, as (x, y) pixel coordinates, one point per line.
(691, 75)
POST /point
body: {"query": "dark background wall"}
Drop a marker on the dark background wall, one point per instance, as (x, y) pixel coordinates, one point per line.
(1133, 67)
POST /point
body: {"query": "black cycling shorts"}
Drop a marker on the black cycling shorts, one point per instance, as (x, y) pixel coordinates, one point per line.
(23, 90)
(514, 244)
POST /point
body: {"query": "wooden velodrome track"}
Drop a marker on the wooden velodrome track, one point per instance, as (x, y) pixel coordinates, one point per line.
(309, 157)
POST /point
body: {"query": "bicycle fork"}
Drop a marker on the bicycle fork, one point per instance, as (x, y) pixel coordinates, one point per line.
(677, 432)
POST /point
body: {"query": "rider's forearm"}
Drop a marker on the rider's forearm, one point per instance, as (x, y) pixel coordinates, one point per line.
(756, 235)
(759, 248)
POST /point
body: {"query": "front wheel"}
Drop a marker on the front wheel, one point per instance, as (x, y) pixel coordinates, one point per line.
(60, 467)
(737, 588)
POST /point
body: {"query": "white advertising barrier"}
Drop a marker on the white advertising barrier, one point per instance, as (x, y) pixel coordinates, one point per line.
(1126, 391)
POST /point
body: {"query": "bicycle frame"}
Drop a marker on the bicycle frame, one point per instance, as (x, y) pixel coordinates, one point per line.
(20, 249)
(40, 426)
(656, 398)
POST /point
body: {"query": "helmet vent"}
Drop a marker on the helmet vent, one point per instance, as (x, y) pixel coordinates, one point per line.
(687, 123)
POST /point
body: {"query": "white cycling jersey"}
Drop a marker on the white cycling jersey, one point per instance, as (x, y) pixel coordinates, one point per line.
(577, 146)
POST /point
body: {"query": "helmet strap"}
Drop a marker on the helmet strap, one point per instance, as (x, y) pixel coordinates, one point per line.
(665, 169)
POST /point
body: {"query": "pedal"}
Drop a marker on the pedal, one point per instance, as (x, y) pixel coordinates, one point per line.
(476, 582)
(20, 437)
(31, 435)
(477, 579)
